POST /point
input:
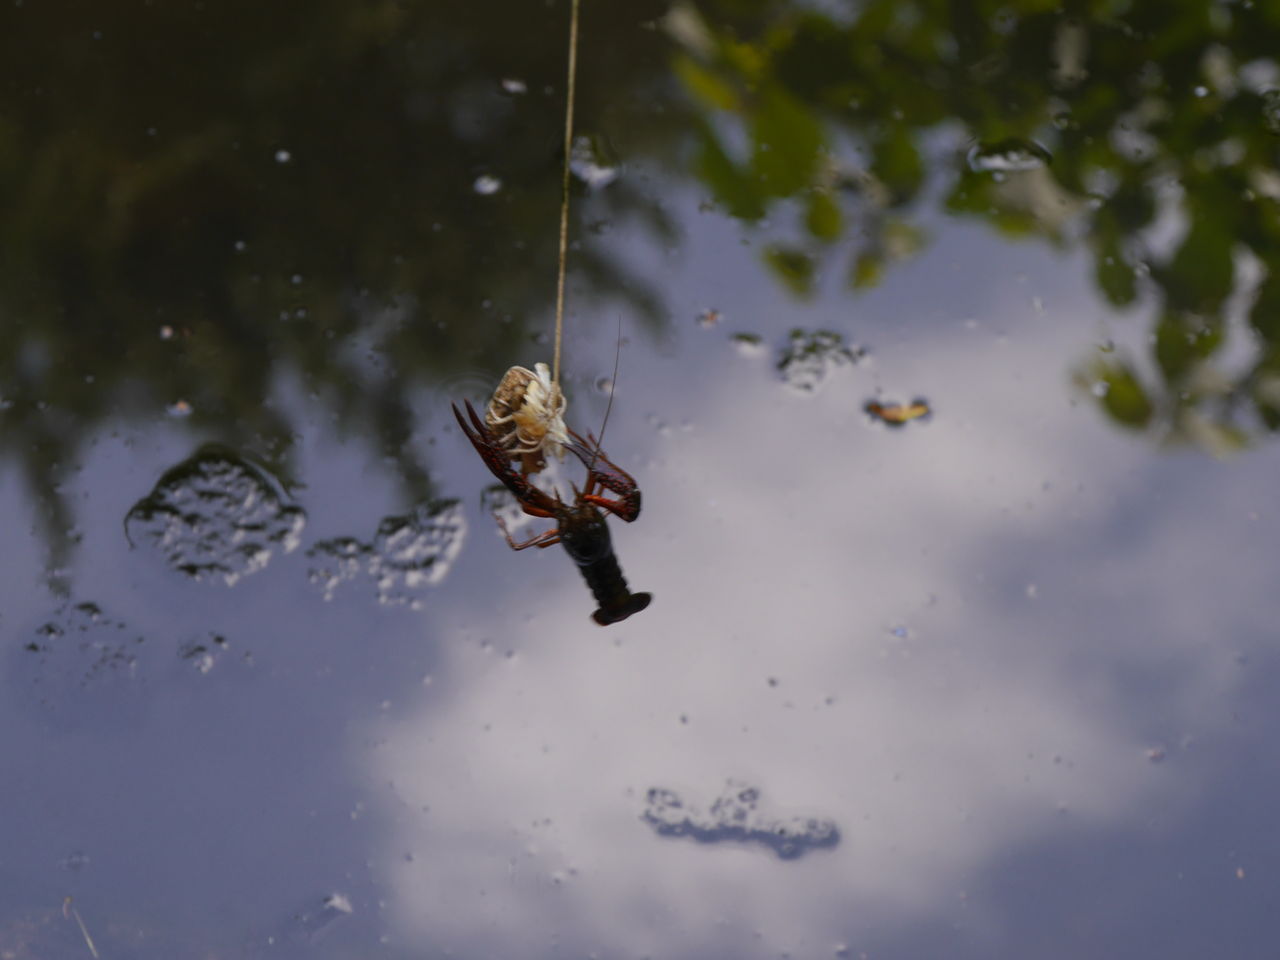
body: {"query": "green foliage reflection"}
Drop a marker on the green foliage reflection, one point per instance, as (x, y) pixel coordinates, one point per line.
(199, 198)
(1145, 130)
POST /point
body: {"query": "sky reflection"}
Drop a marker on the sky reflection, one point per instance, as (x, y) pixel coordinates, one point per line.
(1008, 629)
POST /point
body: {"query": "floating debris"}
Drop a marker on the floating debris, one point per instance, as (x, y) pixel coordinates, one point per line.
(408, 554)
(1013, 155)
(69, 912)
(899, 414)
(812, 354)
(748, 344)
(82, 665)
(333, 908)
(592, 162)
(216, 516)
(179, 410)
(204, 654)
(709, 318)
(734, 817)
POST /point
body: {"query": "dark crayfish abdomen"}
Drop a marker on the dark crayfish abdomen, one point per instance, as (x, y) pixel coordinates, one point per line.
(609, 586)
(585, 537)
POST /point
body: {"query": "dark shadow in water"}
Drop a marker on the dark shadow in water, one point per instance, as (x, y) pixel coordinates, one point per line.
(207, 202)
(365, 197)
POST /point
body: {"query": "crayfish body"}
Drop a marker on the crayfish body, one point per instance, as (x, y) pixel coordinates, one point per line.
(580, 526)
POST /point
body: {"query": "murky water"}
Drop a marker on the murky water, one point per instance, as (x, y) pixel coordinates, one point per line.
(948, 375)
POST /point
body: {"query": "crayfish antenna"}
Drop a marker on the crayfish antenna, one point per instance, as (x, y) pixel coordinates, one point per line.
(613, 387)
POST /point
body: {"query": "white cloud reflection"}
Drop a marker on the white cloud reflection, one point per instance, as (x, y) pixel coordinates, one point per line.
(977, 626)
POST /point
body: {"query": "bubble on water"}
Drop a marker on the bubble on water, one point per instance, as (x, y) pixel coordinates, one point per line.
(1012, 155)
(408, 554)
(735, 817)
(514, 86)
(1100, 388)
(283, 156)
(812, 354)
(334, 562)
(1271, 110)
(416, 551)
(216, 516)
(486, 185)
(591, 161)
(166, 332)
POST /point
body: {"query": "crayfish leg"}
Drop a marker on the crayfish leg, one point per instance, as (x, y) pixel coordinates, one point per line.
(540, 540)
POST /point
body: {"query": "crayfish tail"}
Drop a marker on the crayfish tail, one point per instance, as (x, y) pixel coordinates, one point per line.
(619, 612)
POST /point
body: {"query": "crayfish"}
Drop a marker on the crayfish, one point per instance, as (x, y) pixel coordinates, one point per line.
(580, 526)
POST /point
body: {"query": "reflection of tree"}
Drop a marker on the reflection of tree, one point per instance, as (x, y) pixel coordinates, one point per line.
(200, 198)
(1158, 116)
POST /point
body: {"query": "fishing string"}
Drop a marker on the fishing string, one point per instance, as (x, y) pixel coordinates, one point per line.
(564, 188)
